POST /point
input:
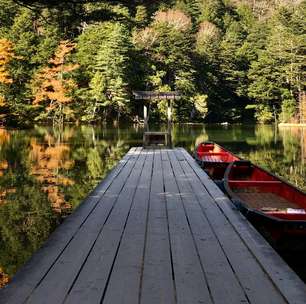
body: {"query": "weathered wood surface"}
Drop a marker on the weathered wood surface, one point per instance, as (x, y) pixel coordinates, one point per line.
(156, 230)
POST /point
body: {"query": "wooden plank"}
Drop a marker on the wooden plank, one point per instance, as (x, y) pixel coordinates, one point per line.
(57, 283)
(222, 281)
(190, 283)
(91, 282)
(157, 282)
(288, 283)
(35, 269)
(252, 275)
(125, 280)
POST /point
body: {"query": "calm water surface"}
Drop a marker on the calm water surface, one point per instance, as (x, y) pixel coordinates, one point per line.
(46, 172)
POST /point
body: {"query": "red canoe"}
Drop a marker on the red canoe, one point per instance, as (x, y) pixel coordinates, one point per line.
(213, 159)
(270, 203)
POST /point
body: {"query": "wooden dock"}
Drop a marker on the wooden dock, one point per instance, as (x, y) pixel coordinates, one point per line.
(156, 230)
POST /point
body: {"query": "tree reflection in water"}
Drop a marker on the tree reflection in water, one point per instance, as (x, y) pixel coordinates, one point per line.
(45, 173)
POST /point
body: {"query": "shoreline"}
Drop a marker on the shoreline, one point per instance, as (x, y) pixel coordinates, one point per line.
(292, 125)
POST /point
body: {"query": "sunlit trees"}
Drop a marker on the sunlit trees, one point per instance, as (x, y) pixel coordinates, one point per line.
(109, 85)
(276, 77)
(53, 85)
(7, 54)
(167, 44)
(213, 48)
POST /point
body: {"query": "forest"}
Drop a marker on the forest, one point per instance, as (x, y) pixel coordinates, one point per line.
(79, 61)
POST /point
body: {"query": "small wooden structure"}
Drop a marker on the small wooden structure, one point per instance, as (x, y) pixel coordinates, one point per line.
(157, 138)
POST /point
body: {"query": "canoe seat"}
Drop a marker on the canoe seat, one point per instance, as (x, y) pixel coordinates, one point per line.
(211, 158)
(250, 183)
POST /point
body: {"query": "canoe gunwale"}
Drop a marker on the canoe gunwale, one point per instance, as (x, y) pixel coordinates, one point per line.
(252, 212)
(202, 162)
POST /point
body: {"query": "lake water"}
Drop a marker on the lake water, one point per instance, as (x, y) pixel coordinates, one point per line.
(45, 173)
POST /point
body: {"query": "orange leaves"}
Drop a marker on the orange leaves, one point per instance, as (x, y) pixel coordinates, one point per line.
(4, 278)
(6, 55)
(2, 101)
(65, 47)
(3, 165)
(47, 160)
(51, 83)
(4, 136)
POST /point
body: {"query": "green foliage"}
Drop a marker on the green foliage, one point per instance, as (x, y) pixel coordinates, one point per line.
(263, 113)
(200, 104)
(276, 77)
(234, 52)
(288, 107)
(141, 16)
(88, 45)
(110, 81)
(213, 11)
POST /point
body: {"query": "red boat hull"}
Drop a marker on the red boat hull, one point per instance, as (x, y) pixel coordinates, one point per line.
(214, 159)
(275, 207)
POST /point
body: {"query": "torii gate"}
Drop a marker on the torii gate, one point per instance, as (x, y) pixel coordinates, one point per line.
(157, 138)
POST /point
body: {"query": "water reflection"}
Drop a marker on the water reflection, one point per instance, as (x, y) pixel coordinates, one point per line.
(46, 172)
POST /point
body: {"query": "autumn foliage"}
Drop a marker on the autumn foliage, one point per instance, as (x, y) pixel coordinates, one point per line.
(7, 54)
(47, 161)
(4, 278)
(52, 83)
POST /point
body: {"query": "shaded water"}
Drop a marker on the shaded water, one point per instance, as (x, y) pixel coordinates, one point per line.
(45, 173)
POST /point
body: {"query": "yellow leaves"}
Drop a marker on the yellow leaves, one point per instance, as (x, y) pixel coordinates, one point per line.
(3, 165)
(7, 54)
(51, 83)
(65, 47)
(51, 157)
(2, 101)
(4, 278)
(4, 136)
(56, 198)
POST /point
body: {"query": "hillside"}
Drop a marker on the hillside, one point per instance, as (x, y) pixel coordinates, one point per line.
(233, 60)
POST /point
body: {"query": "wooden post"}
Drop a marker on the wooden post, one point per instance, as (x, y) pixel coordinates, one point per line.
(145, 117)
(169, 115)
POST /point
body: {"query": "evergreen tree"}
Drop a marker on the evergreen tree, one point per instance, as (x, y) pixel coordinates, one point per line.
(276, 77)
(109, 85)
(212, 11)
(222, 55)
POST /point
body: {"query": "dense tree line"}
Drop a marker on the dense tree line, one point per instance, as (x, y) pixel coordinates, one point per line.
(233, 60)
